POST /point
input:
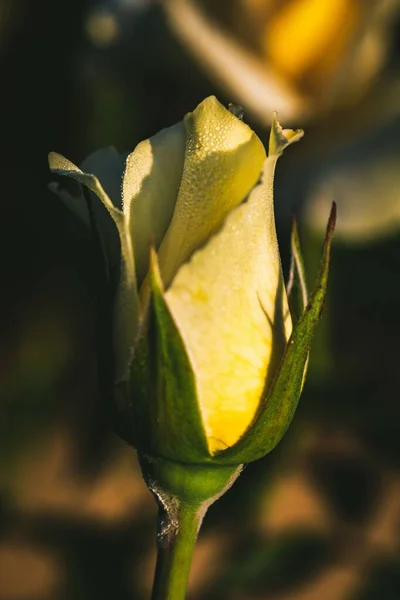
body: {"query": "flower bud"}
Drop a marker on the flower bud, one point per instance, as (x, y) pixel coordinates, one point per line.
(209, 368)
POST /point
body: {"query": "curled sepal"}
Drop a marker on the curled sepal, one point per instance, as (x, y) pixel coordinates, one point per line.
(281, 401)
(297, 275)
(163, 386)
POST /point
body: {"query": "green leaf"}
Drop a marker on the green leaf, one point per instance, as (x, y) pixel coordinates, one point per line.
(281, 402)
(164, 411)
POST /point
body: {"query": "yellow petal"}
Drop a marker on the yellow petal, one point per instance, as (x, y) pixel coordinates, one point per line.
(223, 161)
(150, 189)
(230, 305)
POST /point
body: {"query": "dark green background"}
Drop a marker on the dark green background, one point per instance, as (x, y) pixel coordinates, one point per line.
(59, 92)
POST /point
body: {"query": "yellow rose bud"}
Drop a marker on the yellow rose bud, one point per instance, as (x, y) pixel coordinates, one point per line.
(202, 321)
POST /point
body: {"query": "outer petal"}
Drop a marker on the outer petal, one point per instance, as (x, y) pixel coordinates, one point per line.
(108, 165)
(127, 313)
(73, 199)
(62, 166)
(230, 305)
(150, 189)
(223, 161)
(280, 403)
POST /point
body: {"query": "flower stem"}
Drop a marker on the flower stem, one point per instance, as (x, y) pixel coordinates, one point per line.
(178, 525)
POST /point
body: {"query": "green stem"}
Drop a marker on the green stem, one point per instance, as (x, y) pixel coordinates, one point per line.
(183, 493)
(178, 525)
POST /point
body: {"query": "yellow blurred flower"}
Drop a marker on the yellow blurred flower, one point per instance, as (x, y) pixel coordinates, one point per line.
(303, 56)
(307, 39)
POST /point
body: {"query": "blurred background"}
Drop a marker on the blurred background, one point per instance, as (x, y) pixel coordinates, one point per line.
(320, 516)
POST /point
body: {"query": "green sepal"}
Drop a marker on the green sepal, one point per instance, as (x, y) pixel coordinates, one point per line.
(297, 283)
(191, 483)
(163, 387)
(281, 400)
